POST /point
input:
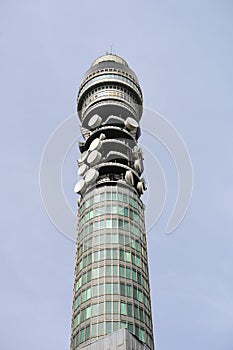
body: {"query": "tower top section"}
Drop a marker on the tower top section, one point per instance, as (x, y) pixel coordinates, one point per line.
(109, 87)
(110, 57)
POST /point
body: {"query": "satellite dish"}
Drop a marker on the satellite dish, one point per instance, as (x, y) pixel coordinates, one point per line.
(143, 183)
(95, 121)
(140, 187)
(91, 175)
(80, 185)
(102, 137)
(83, 168)
(131, 124)
(96, 144)
(94, 157)
(129, 177)
(137, 165)
(83, 157)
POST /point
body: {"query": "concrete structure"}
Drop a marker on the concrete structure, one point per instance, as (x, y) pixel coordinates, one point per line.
(111, 290)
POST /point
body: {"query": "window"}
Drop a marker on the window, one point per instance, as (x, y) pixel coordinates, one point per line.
(128, 272)
(136, 311)
(108, 307)
(95, 290)
(130, 327)
(95, 309)
(141, 315)
(115, 288)
(88, 312)
(115, 326)
(129, 310)
(108, 223)
(82, 335)
(129, 290)
(108, 327)
(87, 335)
(122, 271)
(140, 296)
(134, 275)
(123, 309)
(108, 270)
(122, 288)
(115, 254)
(94, 330)
(137, 331)
(101, 328)
(115, 307)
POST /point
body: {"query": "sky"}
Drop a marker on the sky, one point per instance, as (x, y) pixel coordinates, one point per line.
(182, 54)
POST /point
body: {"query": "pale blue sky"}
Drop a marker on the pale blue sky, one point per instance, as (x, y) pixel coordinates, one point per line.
(182, 53)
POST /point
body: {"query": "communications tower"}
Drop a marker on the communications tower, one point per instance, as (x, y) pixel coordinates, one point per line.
(111, 304)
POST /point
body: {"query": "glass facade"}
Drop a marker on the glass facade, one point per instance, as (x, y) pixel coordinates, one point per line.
(111, 276)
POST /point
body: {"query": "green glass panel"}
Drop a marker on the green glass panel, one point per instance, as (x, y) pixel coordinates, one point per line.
(140, 296)
(122, 289)
(101, 273)
(94, 330)
(129, 291)
(108, 288)
(115, 326)
(120, 210)
(101, 254)
(115, 288)
(95, 308)
(108, 223)
(122, 271)
(127, 256)
(115, 254)
(108, 327)
(114, 223)
(136, 311)
(129, 310)
(137, 331)
(130, 327)
(88, 312)
(101, 329)
(108, 270)
(115, 271)
(82, 335)
(88, 293)
(84, 293)
(123, 324)
(108, 307)
(123, 309)
(114, 238)
(115, 307)
(101, 289)
(141, 315)
(128, 272)
(87, 332)
(108, 254)
(134, 275)
(95, 273)
(95, 291)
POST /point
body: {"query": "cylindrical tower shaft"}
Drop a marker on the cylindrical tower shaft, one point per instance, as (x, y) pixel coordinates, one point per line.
(111, 288)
